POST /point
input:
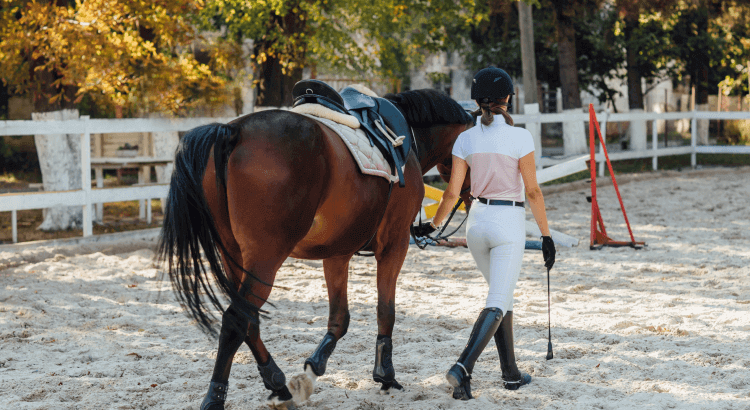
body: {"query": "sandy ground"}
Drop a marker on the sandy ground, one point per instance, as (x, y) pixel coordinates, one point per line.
(659, 328)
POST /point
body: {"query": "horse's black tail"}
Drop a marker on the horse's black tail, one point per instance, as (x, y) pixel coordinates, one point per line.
(189, 227)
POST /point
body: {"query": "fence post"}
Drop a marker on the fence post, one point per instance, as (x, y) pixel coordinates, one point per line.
(693, 138)
(655, 142)
(88, 223)
(14, 224)
(535, 128)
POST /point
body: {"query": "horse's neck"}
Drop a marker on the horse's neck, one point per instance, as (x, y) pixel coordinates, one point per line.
(434, 144)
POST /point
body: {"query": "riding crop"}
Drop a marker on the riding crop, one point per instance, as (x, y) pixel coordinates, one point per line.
(549, 321)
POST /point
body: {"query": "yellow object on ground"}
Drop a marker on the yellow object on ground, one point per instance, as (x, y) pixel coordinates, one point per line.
(435, 194)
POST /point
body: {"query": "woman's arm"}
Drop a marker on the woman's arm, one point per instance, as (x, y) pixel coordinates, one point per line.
(450, 196)
(533, 192)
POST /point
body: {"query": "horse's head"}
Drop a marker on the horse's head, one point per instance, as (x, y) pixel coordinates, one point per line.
(436, 121)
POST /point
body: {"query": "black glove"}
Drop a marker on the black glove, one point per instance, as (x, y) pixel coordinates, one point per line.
(548, 251)
(423, 229)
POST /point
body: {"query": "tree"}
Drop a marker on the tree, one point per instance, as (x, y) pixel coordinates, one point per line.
(131, 54)
(710, 42)
(643, 32)
(565, 12)
(119, 55)
(495, 40)
(366, 38)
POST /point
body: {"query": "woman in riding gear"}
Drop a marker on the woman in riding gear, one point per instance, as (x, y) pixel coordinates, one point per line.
(501, 158)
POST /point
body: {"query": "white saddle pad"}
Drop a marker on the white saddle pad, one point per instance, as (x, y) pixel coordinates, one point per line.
(369, 159)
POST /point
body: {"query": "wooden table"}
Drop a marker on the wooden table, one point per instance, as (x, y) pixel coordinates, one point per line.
(143, 164)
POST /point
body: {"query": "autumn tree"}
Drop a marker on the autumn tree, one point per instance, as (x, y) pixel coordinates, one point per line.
(132, 54)
(113, 56)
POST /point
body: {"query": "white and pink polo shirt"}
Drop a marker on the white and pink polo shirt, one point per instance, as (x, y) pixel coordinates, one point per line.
(492, 153)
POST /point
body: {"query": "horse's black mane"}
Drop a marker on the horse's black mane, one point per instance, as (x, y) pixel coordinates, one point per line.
(424, 108)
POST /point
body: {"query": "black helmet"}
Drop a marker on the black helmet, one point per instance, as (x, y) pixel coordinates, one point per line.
(492, 83)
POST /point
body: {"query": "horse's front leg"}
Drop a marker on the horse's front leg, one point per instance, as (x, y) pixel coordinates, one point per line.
(390, 261)
(336, 271)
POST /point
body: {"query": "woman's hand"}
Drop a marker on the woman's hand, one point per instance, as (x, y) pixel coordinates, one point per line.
(423, 229)
(548, 251)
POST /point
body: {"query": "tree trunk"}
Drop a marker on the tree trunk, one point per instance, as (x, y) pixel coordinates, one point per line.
(635, 91)
(700, 81)
(275, 87)
(566, 49)
(60, 163)
(637, 129)
(528, 56)
(574, 135)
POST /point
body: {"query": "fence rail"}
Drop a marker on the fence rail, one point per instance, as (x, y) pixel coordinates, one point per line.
(88, 196)
(653, 153)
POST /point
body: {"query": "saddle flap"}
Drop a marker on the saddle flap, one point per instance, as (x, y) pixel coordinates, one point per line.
(355, 100)
(393, 117)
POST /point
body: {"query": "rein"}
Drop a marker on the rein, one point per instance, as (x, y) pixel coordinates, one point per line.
(423, 242)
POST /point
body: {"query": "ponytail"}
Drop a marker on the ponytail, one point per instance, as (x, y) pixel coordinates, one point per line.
(488, 111)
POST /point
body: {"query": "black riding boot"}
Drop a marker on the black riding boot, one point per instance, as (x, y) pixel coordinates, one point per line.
(459, 376)
(512, 377)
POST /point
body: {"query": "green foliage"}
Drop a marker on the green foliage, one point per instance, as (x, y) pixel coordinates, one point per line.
(737, 132)
(601, 52)
(699, 47)
(361, 36)
(495, 40)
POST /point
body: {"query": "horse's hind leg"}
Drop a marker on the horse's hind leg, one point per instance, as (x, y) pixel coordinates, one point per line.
(273, 378)
(336, 272)
(233, 330)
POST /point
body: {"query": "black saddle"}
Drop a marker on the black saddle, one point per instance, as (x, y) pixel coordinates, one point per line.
(317, 92)
(383, 122)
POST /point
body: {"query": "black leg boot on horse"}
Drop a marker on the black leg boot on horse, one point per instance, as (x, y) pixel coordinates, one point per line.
(512, 377)
(459, 376)
(233, 330)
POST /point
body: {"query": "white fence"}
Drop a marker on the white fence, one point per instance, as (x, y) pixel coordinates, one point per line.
(655, 152)
(88, 196)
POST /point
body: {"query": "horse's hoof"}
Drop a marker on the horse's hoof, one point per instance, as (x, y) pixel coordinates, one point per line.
(281, 400)
(390, 388)
(287, 405)
(302, 385)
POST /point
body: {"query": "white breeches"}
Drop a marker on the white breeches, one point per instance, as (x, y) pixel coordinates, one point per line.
(496, 236)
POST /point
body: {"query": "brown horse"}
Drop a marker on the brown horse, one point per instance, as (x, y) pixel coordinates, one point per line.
(280, 184)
